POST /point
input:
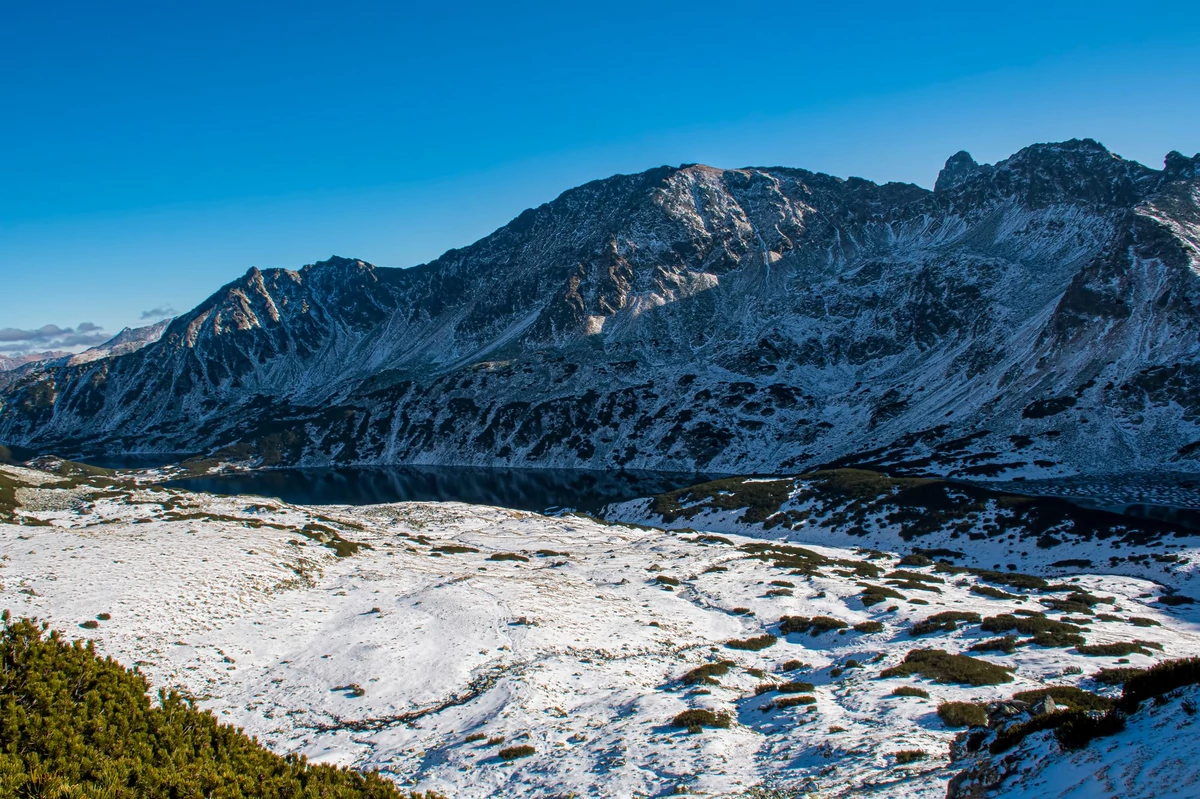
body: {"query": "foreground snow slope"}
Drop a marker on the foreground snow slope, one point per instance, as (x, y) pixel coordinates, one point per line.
(461, 624)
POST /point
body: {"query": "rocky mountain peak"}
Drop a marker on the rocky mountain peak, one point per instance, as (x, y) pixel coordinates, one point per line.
(1055, 173)
(339, 263)
(1178, 166)
(959, 168)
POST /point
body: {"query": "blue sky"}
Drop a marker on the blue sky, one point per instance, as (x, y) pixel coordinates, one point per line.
(151, 152)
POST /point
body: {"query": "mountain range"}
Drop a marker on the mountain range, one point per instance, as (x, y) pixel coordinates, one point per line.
(1033, 318)
(129, 340)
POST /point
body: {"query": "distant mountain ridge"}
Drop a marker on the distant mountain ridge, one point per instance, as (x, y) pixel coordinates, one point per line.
(1038, 316)
(10, 362)
(129, 340)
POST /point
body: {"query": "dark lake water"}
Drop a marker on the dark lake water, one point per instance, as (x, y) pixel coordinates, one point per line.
(522, 489)
(145, 460)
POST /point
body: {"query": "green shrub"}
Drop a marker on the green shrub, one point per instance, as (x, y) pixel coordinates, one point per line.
(473, 737)
(1045, 632)
(869, 627)
(1005, 643)
(792, 665)
(1174, 600)
(508, 556)
(1067, 606)
(1142, 621)
(1070, 696)
(77, 725)
(104, 616)
(911, 690)
(706, 674)
(1025, 582)
(794, 687)
(1059, 640)
(909, 576)
(495, 740)
(794, 624)
(698, 717)
(1013, 735)
(90, 624)
(915, 559)
(962, 714)
(947, 621)
(514, 752)
(1115, 649)
(1091, 600)
(906, 756)
(822, 624)
(784, 702)
(875, 594)
(1080, 728)
(454, 549)
(1158, 680)
(753, 644)
(941, 666)
(912, 585)
(994, 593)
(1116, 676)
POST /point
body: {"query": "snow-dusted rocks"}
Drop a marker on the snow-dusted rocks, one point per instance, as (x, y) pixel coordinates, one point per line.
(412, 637)
(977, 525)
(1036, 317)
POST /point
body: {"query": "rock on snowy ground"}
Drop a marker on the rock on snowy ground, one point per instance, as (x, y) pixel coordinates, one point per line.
(412, 637)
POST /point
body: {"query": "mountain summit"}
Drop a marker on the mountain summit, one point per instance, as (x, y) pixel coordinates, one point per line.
(1037, 317)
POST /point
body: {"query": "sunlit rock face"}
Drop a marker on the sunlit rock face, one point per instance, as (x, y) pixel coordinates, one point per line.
(1035, 317)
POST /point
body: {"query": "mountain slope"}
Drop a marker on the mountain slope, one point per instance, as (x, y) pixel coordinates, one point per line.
(1034, 317)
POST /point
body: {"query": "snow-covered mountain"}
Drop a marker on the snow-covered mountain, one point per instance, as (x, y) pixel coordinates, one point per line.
(11, 362)
(130, 339)
(1036, 317)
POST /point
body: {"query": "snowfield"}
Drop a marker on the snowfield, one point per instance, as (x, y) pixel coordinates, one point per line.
(452, 626)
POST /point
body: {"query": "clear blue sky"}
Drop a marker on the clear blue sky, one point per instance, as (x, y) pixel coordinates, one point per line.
(150, 152)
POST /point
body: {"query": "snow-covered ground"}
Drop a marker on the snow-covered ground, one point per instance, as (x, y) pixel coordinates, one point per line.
(462, 624)
(991, 535)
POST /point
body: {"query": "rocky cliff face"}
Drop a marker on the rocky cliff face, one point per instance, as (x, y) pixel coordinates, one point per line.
(1038, 316)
